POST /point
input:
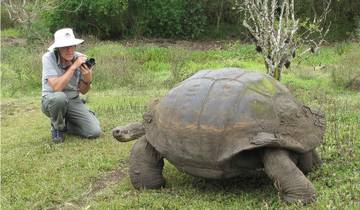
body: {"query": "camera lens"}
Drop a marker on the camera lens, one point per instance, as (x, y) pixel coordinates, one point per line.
(90, 62)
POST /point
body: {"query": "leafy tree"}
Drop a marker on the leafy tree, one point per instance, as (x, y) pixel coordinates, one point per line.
(168, 19)
(103, 18)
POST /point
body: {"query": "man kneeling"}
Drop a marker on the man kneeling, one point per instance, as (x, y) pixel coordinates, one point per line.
(64, 76)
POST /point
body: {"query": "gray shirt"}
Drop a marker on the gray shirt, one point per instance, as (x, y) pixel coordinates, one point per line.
(51, 67)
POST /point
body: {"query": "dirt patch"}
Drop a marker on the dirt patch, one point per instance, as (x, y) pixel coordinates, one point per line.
(14, 41)
(108, 179)
(13, 108)
(8, 108)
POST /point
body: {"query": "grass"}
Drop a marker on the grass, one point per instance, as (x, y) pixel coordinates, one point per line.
(10, 32)
(92, 174)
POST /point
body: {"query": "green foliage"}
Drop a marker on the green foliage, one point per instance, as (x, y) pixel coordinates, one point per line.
(10, 33)
(346, 73)
(151, 66)
(114, 19)
(356, 34)
(325, 55)
(20, 71)
(194, 21)
(342, 16)
(220, 11)
(103, 18)
(6, 22)
(137, 67)
(225, 31)
(113, 66)
(170, 19)
(37, 33)
(27, 16)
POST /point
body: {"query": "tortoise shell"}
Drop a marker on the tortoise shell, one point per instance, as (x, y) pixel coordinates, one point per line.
(216, 118)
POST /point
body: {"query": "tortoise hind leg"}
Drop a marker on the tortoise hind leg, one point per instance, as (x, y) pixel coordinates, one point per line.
(146, 166)
(289, 180)
(316, 159)
(308, 161)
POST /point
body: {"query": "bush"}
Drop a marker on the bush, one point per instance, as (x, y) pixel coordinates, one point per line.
(27, 16)
(103, 18)
(37, 33)
(6, 22)
(356, 35)
(347, 73)
(169, 19)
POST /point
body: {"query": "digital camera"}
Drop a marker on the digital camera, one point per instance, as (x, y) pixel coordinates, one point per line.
(90, 62)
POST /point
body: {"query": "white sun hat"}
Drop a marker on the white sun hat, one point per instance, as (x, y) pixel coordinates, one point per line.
(64, 38)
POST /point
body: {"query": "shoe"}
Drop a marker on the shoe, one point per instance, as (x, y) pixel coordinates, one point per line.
(57, 136)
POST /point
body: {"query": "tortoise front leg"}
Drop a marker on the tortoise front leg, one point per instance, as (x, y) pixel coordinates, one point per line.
(146, 166)
(290, 181)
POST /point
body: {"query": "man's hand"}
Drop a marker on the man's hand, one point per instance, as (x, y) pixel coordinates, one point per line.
(79, 62)
(59, 83)
(86, 73)
(84, 85)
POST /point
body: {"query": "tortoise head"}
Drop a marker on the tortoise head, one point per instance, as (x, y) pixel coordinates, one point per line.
(128, 132)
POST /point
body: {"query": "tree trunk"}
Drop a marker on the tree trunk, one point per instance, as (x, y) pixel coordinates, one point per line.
(219, 15)
(275, 73)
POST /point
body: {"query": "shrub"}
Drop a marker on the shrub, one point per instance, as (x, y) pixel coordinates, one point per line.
(357, 29)
(103, 18)
(27, 16)
(347, 73)
(221, 11)
(169, 19)
(37, 33)
(6, 22)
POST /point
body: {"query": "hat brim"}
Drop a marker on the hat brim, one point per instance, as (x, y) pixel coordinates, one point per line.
(65, 44)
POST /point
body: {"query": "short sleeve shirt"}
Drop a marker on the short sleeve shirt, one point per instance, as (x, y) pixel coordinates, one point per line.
(51, 67)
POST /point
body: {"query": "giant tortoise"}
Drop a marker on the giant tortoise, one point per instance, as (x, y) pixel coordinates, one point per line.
(222, 123)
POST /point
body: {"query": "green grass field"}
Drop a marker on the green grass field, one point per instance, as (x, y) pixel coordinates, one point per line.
(92, 174)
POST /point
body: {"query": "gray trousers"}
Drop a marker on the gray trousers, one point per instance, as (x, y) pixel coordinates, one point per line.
(70, 115)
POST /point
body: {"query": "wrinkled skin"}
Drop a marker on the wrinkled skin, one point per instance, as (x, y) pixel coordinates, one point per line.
(129, 132)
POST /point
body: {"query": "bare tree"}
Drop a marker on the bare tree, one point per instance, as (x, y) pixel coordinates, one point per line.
(25, 11)
(275, 29)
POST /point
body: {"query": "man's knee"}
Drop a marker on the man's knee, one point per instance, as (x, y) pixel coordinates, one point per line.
(93, 133)
(58, 100)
